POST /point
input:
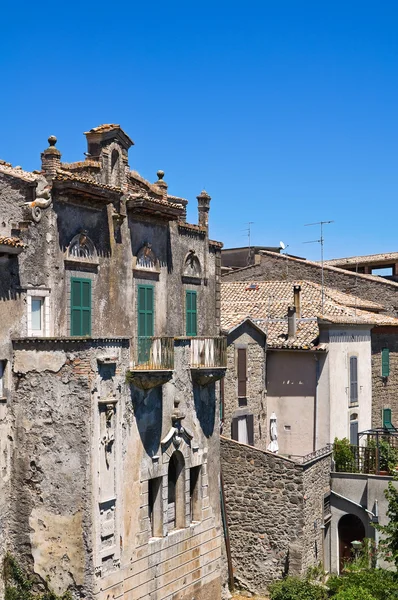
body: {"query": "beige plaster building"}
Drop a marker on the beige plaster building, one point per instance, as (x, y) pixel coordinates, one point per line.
(109, 357)
(300, 355)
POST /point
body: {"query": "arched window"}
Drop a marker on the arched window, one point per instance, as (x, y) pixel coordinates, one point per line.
(81, 246)
(192, 265)
(115, 161)
(146, 258)
(176, 492)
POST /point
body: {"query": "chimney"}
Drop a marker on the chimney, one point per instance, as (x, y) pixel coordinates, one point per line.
(297, 300)
(162, 185)
(203, 208)
(291, 322)
(51, 159)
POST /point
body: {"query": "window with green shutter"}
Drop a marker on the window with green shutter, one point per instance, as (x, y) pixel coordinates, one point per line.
(191, 313)
(387, 418)
(385, 362)
(353, 380)
(145, 321)
(80, 306)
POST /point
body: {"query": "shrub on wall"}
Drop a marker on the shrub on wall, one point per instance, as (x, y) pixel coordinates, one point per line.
(379, 583)
(18, 586)
(293, 588)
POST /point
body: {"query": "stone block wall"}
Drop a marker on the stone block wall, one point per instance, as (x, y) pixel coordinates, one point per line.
(278, 267)
(316, 486)
(269, 522)
(384, 390)
(248, 337)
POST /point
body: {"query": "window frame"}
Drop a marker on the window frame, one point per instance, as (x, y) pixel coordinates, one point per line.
(143, 345)
(385, 362)
(191, 314)
(155, 507)
(83, 309)
(353, 382)
(44, 297)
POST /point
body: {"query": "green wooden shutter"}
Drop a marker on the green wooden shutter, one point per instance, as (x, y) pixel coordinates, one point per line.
(353, 379)
(80, 307)
(145, 321)
(191, 313)
(385, 362)
(387, 418)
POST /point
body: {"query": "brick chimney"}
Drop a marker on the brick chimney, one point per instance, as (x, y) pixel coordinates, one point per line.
(203, 208)
(161, 184)
(291, 323)
(297, 300)
(51, 158)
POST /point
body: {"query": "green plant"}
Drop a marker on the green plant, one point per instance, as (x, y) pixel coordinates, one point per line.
(343, 456)
(364, 558)
(388, 456)
(389, 542)
(293, 588)
(379, 583)
(354, 593)
(18, 586)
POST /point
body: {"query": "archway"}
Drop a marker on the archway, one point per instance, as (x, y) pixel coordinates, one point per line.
(350, 528)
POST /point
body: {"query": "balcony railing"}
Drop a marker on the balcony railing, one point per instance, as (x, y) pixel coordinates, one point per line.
(356, 459)
(154, 354)
(208, 352)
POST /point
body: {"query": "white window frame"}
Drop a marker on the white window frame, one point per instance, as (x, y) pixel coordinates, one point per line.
(44, 296)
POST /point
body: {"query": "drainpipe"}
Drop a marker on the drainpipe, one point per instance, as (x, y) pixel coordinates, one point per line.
(376, 520)
(317, 370)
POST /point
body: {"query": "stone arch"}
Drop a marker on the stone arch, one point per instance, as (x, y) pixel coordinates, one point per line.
(176, 491)
(81, 246)
(350, 528)
(192, 267)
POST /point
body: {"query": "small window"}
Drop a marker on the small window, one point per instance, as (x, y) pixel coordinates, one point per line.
(387, 418)
(2, 369)
(242, 372)
(353, 380)
(385, 362)
(37, 316)
(195, 495)
(191, 313)
(242, 429)
(80, 307)
(155, 506)
(354, 429)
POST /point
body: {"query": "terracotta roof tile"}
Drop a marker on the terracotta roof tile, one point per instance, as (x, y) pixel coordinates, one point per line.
(82, 164)
(192, 227)
(369, 258)
(67, 176)
(18, 172)
(267, 302)
(13, 242)
(103, 128)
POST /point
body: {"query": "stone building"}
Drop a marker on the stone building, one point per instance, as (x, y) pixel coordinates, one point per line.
(278, 513)
(301, 356)
(109, 360)
(384, 265)
(276, 267)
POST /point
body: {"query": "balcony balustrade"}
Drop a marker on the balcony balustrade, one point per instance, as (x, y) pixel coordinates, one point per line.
(153, 363)
(208, 359)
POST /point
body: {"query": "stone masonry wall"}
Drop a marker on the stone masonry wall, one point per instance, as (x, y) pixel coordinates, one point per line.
(384, 391)
(277, 267)
(316, 483)
(272, 504)
(250, 338)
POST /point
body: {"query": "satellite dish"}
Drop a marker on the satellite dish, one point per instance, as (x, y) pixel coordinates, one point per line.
(282, 245)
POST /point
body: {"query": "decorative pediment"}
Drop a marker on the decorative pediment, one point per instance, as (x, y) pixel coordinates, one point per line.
(192, 271)
(81, 247)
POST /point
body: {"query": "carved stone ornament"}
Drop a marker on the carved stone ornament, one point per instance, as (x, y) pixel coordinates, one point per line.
(43, 200)
(109, 438)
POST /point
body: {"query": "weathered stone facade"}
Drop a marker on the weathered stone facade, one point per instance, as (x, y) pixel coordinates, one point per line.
(253, 341)
(273, 505)
(278, 267)
(109, 413)
(384, 389)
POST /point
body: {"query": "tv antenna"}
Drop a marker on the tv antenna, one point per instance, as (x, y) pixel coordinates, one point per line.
(321, 242)
(248, 233)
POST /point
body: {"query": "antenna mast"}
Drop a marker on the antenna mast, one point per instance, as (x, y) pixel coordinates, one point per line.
(321, 242)
(248, 233)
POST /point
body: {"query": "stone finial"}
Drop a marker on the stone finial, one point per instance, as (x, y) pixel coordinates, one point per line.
(161, 184)
(203, 208)
(51, 158)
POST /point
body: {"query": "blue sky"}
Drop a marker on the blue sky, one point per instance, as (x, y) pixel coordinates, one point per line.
(285, 111)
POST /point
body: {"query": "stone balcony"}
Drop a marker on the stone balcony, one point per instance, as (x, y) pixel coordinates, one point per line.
(153, 362)
(208, 359)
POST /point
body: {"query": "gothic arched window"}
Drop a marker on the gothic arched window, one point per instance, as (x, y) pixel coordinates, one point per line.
(82, 247)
